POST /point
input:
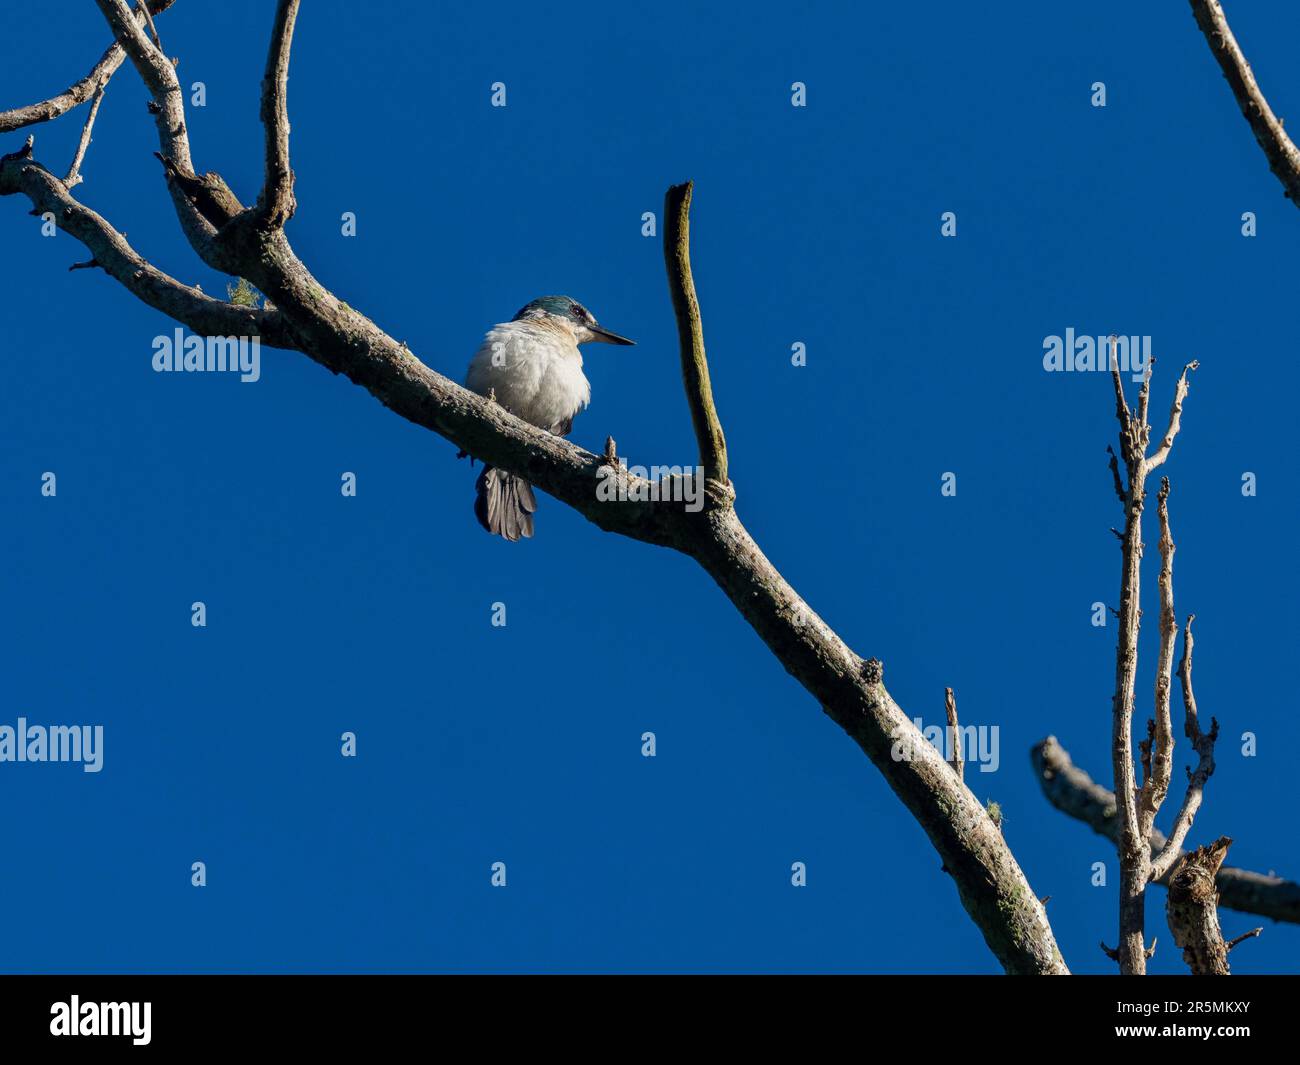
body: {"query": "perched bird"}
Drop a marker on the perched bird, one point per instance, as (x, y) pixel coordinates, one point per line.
(531, 366)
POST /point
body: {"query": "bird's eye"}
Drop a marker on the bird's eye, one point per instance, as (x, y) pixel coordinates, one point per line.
(581, 313)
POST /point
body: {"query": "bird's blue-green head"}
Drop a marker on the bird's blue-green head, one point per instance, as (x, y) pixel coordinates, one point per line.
(572, 315)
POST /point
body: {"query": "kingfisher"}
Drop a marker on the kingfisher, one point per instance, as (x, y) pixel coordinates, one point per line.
(531, 365)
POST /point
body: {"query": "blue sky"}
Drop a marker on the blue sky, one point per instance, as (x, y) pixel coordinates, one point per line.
(522, 744)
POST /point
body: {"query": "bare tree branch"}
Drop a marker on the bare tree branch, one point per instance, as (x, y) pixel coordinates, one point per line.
(1160, 745)
(1252, 934)
(1137, 807)
(690, 333)
(79, 92)
(1283, 157)
(851, 691)
(1120, 490)
(20, 173)
(142, 6)
(1144, 390)
(1175, 419)
(1203, 745)
(1192, 910)
(159, 75)
(1134, 855)
(74, 177)
(276, 205)
(1072, 791)
(1122, 413)
(954, 733)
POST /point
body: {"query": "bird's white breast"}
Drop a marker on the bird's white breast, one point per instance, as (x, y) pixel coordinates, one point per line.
(534, 370)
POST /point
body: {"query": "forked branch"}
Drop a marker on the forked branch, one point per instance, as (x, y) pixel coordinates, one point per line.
(1073, 792)
(310, 319)
(80, 91)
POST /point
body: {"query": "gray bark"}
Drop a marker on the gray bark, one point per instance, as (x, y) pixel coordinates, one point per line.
(251, 244)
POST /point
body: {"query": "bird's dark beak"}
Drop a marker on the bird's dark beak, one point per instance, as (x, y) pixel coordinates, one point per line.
(604, 336)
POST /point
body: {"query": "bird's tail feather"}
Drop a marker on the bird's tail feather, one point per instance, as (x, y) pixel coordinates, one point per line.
(505, 503)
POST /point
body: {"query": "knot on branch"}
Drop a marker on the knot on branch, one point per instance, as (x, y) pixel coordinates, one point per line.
(209, 193)
(1192, 909)
(25, 152)
(720, 494)
(873, 671)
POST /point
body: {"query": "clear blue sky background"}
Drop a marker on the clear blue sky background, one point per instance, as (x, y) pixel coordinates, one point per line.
(480, 744)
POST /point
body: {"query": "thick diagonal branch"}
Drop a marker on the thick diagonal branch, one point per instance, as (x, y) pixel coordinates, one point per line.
(1072, 791)
(1281, 153)
(851, 691)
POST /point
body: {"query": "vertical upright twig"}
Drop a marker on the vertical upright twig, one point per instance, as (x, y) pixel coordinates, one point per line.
(276, 203)
(954, 733)
(1203, 744)
(1161, 742)
(690, 332)
(1134, 855)
(1136, 807)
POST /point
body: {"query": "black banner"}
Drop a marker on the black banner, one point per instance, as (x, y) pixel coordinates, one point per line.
(337, 1013)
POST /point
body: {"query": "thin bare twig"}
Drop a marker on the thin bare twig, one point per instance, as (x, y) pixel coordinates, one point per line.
(1252, 934)
(148, 18)
(74, 177)
(1120, 490)
(1161, 741)
(1175, 419)
(1203, 745)
(1122, 413)
(954, 734)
